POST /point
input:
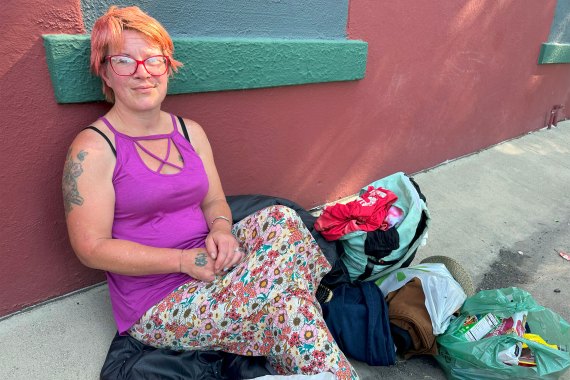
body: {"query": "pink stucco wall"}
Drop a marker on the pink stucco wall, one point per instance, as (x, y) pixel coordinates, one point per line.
(443, 79)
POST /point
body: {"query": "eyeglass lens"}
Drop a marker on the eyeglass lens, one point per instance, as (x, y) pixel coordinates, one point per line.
(123, 65)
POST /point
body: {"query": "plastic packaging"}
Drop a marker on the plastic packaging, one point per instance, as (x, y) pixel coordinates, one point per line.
(444, 296)
(513, 324)
(481, 359)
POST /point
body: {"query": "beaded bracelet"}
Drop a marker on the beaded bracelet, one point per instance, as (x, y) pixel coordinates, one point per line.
(220, 217)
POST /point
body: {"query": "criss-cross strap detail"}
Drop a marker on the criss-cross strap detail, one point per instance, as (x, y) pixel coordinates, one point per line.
(136, 140)
(163, 161)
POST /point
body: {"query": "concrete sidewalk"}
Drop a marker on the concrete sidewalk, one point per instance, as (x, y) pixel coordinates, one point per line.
(503, 213)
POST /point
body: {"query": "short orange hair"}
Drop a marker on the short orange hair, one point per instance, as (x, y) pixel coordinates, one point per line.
(107, 34)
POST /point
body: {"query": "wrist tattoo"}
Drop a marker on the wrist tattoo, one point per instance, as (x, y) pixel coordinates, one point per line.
(201, 259)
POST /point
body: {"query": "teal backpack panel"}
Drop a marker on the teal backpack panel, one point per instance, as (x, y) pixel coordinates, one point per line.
(413, 206)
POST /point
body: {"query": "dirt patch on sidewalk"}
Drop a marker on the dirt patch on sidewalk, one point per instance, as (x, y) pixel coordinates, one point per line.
(535, 266)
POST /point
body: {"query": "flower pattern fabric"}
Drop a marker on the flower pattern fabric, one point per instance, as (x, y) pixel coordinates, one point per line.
(265, 306)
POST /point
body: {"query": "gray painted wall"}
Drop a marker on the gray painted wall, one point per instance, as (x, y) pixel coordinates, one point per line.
(560, 31)
(321, 19)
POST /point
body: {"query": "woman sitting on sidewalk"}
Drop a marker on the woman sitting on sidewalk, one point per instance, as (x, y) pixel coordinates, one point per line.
(146, 205)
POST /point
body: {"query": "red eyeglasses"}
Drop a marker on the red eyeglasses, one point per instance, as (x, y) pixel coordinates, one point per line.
(123, 65)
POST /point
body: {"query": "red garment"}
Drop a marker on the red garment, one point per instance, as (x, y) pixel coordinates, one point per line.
(366, 213)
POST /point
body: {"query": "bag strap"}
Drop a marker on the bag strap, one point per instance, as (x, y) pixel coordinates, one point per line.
(105, 137)
(370, 263)
(367, 271)
(183, 126)
(417, 187)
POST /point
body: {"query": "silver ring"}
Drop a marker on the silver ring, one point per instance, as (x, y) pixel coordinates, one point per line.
(237, 250)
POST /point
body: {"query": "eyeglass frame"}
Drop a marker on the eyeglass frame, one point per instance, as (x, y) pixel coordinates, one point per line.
(107, 58)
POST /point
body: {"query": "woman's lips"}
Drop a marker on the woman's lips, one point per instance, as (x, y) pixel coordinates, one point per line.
(146, 88)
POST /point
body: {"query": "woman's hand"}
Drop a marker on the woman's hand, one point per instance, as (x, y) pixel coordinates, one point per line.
(220, 243)
(198, 264)
(223, 247)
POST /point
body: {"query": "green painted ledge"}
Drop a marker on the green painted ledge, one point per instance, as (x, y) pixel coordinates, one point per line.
(215, 64)
(554, 53)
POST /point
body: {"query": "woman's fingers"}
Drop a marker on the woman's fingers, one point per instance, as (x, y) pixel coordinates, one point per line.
(236, 257)
(211, 247)
(225, 248)
(233, 258)
(225, 245)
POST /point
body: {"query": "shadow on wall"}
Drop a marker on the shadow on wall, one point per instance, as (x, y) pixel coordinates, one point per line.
(448, 80)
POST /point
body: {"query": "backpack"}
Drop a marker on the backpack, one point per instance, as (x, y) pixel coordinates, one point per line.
(412, 232)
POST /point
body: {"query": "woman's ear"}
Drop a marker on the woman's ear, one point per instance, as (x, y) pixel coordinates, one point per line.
(105, 75)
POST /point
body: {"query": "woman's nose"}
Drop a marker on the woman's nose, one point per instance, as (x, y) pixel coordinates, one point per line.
(141, 71)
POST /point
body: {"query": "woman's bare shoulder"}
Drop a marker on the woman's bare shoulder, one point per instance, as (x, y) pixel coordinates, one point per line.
(93, 154)
(196, 133)
(90, 139)
(193, 126)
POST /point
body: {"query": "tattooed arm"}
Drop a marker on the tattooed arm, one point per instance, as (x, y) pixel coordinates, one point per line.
(89, 201)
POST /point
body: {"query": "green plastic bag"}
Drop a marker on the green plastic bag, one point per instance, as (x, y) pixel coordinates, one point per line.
(478, 360)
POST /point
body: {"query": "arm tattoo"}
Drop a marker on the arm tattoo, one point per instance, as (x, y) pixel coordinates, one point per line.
(71, 172)
(201, 259)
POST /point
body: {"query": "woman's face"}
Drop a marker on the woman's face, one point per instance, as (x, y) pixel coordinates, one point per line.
(140, 91)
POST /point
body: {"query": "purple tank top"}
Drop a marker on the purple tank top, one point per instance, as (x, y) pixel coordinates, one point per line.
(158, 210)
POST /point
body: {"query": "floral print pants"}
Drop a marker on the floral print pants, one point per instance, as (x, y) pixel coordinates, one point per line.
(265, 306)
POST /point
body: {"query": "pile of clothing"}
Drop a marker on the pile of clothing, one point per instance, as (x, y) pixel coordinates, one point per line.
(381, 230)
(372, 212)
(403, 312)
(405, 308)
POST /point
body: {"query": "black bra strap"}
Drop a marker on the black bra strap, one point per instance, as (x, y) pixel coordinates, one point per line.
(183, 126)
(105, 137)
